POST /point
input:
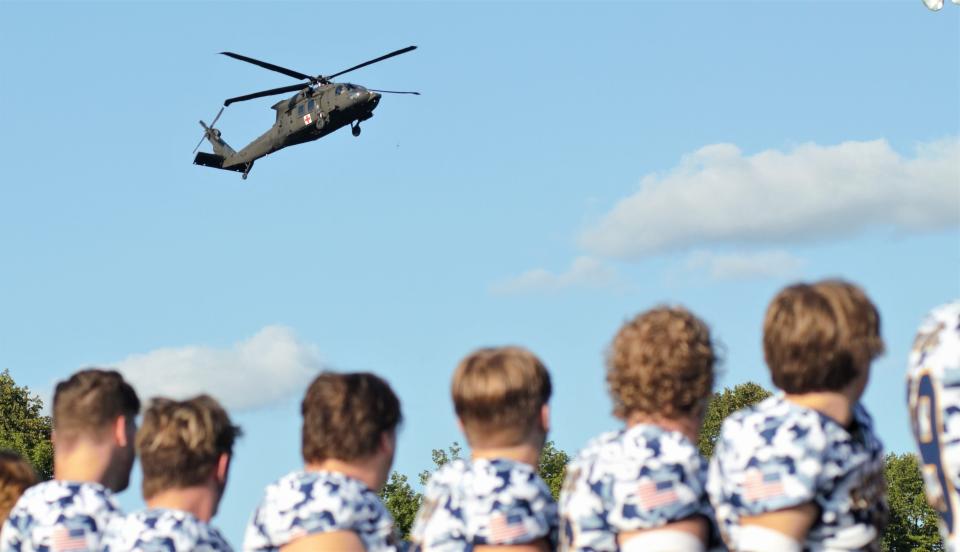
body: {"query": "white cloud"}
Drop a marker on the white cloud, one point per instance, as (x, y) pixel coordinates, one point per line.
(718, 195)
(584, 272)
(268, 367)
(745, 266)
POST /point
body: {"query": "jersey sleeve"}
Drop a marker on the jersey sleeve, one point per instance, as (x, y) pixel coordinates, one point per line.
(933, 398)
(55, 511)
(216, 542)
(658, 494)
(10, 532)
(521, 511)
(440, 519)
(768, 463)
(583, 519)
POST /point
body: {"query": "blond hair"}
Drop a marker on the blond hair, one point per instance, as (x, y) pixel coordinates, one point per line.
(661, 363)
(498, 394)
(180, 442)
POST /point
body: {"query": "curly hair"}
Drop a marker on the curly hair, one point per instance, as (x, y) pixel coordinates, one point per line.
(345, 415)
(498, 393)
(820, 337)
(16, 474)
(180, 442)
(661, 363)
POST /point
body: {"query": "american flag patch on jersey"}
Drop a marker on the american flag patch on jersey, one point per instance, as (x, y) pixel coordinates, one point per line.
(761, 486)
(65, 539)
(507, 528)
(658, 494)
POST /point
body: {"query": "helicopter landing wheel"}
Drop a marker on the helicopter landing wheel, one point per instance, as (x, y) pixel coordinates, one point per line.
(355, 129)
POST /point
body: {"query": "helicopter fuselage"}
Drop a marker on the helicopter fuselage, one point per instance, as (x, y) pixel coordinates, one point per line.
(318, 108)
(310, 114)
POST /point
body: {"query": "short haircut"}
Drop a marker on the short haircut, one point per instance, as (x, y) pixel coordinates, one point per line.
(820, 336)
(91, 399)
(345, 415)
(180, 442)
(16, 474)
(661, 363)
(498, 394)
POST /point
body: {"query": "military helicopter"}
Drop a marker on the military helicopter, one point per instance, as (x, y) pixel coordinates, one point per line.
(319, 107)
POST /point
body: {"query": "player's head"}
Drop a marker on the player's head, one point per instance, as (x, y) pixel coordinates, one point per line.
(500, 395)
(821, 337)
(351, 417)
(185, 444)
(16, 474)
(661, 364)
(97, 406)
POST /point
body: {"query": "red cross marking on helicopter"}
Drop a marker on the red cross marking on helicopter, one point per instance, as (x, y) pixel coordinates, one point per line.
(307, 119)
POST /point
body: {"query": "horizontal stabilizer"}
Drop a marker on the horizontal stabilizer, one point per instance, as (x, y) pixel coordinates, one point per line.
(216, 161)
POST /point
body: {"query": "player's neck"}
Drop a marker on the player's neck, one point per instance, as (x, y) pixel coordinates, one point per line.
(201, 501)
(525, 453)
(688, 426)
(364, 471)
(833, 404)
(83, 461)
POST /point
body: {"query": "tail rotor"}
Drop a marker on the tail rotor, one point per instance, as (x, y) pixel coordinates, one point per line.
(208, 129)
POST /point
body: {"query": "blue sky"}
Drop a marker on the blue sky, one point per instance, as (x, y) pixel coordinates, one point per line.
(567, 166)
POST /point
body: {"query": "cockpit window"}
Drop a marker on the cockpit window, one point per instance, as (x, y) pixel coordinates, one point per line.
(339, 90)
(300, 109)
(311, 104)
(350, 87)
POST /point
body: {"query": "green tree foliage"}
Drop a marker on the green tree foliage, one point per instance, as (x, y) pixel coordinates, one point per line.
(722, 405)
(913, 523)
(402, 502)
(23, 427)
(553, 467)
(440, 458)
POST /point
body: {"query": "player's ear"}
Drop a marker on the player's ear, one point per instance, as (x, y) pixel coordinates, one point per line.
(545, 418)
(388, 441)
(120, 431)
(223, 467)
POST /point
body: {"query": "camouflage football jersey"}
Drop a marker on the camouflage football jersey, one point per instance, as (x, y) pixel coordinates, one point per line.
(306, 503)
(638, 478)
(493, 502)
(780, 455)
(59, 515)
(162, 530)
(933, 397)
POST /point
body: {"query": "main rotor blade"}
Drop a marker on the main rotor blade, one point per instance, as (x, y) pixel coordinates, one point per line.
(270, 66)
(271, 92)
(392, 91)
(372, 61)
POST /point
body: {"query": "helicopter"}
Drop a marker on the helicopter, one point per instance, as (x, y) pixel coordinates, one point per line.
(319, 107)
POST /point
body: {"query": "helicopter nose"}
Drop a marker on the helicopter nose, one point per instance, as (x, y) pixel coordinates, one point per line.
(374, 99)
